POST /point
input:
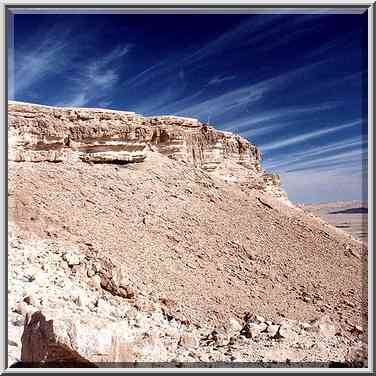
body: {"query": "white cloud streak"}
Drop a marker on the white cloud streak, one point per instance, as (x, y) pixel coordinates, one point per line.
(170, 106)
(251, 30)
(310, 154)
(245, 123)
(356, 156)
(97, 79)
(40, 60)
(307, 136)
(226, 102)
(246, 95)
(218, 79)
(144, 76)
(54, 55)
(225, 40)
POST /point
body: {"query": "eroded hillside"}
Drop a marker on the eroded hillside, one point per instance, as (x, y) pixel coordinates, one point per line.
(170, 212)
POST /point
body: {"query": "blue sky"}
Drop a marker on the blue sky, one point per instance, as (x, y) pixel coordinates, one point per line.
(294, 84)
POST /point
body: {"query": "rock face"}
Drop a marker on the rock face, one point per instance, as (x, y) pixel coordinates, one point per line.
(40, 133)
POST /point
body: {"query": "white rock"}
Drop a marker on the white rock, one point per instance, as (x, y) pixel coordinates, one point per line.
(286, 331)
(90, 273)
(103, 307)
(95, 282)
(272, 330)
(189, 341)
(48, 337)
(253, 330)
(72, 258)
(22, 308)
(80, 299)
(232, 326)
(260, 319)
(305, 326)
(326, 327)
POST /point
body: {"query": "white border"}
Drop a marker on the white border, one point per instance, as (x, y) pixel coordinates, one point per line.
(333, 3)
(370, 185)
(4, 263)
(248, 3)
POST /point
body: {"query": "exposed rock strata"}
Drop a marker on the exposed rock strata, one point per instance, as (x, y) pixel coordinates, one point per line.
(42, 133)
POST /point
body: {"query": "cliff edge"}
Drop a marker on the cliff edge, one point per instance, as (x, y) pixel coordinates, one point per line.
(41, 133)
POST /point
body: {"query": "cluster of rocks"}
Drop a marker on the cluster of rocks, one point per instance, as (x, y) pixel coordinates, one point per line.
(66, 310)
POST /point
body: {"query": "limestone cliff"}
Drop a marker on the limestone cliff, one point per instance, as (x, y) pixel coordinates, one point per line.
(41, 133)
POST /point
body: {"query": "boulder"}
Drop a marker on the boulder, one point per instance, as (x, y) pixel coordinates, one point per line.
(114, 279)
(253, 330)
(272, 330)
(219, 337)
(324, 326)
(72, 257)
(232, 326)
(189, 341)
(74, 342)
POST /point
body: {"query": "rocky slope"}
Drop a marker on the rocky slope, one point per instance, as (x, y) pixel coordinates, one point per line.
(71, 321)
(190, 238)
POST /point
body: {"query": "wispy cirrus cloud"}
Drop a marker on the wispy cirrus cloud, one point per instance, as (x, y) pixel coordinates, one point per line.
(146, 75)
(342, 159)
(319, 171)
(59, 54)
(226, 39)
(188, 58)
(168, 92)
(96, 79)
(249, 30)
(287, 38)
(256, 32)
(218, 79)
(45, 55)
(241, 98)
(343, 42)
(310, 155)
(167, 102)
(308, 136)
(250, 124)
(228, 101)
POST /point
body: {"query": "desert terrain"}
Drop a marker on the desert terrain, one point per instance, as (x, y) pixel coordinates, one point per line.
(138, 240)
(351, 216)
